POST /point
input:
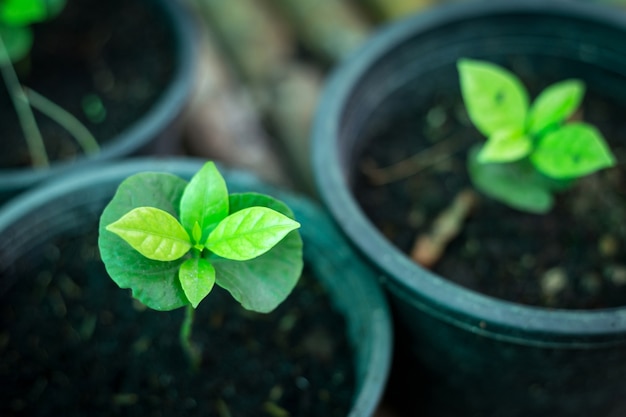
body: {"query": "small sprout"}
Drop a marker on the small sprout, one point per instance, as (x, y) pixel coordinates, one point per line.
(170, 242)
(531, 150)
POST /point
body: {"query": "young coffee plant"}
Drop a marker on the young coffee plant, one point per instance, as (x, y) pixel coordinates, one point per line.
(16, 40)
(170, 241)
(532, 150)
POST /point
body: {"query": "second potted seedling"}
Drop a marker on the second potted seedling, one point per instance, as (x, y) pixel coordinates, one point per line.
(492, 203)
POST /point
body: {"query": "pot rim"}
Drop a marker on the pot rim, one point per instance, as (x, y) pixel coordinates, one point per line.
(443, 299)
(138, 134)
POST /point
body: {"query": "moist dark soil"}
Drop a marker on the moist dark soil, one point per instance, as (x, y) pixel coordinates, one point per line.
(573, 257)
(73, 344)
(117, 50)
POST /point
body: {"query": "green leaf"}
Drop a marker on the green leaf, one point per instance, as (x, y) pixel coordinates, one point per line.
(17, 42)
(249, 233)
(22, 12)
(505, 146)
(517, 184)
(204, 201)
(154, 283)
(555, 104)
(572, 151)
(196, 232)
(154, 233)
(495, 98)
(197, 277)
(262, 283)
(25, 12)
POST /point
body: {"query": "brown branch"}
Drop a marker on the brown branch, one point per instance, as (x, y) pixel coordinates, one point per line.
(430, 247)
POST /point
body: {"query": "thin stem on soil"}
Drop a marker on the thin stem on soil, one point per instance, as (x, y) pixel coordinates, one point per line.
(22, 108)
(82, 135)
(193, 353)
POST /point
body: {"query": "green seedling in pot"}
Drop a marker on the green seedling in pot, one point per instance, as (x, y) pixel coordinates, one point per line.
(170, 241)
(16, 40)
(532, 149)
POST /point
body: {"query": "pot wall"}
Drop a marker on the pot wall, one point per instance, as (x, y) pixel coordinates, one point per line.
(479, 356)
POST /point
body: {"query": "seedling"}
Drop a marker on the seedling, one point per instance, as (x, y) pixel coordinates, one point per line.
(532, 150)
(16, 40)
(170, 242)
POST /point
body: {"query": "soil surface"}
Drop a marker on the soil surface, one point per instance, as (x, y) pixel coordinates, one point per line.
(413, 167)
(73, 344)
(115, 50)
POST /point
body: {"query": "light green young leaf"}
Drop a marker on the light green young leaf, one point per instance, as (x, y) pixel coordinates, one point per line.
(197, 277)
(154, 233)
(505, 146)
(196, 233)
(249, 233)
(575, 150)
(262, 283)
(555, 104)
(204, 201)
(495, 98)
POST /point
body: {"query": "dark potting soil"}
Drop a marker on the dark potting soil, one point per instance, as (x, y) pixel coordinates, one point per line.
(73, 344)
(573, 257)
(116, 50)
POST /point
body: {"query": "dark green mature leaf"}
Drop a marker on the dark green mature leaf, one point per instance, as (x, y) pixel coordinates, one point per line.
(495, 98)
(515, 184)
(204, 201)
(154, 233)
(154, 283)
(249, 232)
(572, 151)
(555, 104)
(197, 277)
(262, 283)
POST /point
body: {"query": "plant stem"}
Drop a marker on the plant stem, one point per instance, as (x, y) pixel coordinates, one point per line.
(82, 135)
(192, 351)
(22, 108)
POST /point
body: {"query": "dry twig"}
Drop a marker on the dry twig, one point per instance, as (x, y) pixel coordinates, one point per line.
(429, 247)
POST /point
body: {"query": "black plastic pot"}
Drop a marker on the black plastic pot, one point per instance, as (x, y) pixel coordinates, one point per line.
(154, 131)
(482, 356)
(73, 203)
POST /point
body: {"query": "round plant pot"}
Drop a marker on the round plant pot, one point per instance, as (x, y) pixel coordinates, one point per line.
(71, 205)
(480, 355)
(85, 51)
